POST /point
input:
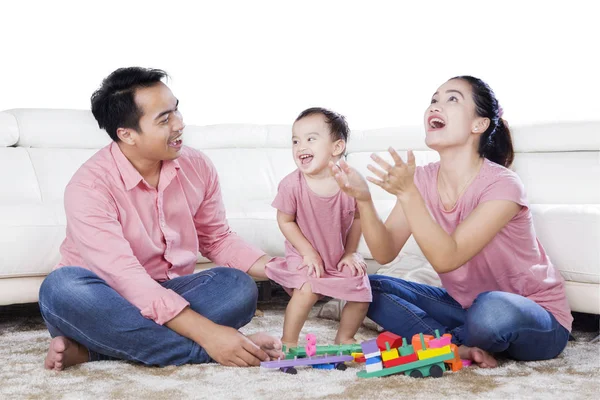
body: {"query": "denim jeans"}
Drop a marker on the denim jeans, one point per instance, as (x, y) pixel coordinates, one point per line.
(76, 303)
(498, 322)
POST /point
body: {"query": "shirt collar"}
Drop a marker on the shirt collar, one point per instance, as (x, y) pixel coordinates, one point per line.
(131, 176)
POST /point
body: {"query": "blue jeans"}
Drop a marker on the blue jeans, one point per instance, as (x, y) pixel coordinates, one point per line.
(496, 321)
(76, 303)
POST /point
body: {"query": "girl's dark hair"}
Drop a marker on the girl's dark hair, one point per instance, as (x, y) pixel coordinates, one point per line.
(113, 104)
(337, 122)
(495, 143)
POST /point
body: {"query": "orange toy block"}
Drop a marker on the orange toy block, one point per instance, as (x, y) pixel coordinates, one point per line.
(416, 342)
(401, 360)
(454, 349)
(454, 365)
(392, 339)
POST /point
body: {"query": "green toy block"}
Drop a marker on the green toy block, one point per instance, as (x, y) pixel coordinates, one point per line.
(343, 349)
(406, 350)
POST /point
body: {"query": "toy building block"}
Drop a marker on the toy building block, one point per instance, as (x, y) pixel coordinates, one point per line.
(311, 345)
(401, 360)
(343, 349)
(466, 363)
(394, 341)
(454, 365)
(374, 367)
(429, 353)
(440, 341)
(370, 349)
(406, 349)
(389, 354)
(419, 343)
(373, 360)
(324, 366)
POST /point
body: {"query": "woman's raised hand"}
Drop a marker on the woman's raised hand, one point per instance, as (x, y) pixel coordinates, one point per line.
(396, 179)
(350, 181)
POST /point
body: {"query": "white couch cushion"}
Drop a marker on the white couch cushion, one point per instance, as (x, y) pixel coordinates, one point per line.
(72, 129)
(9, 129)
(18, 180)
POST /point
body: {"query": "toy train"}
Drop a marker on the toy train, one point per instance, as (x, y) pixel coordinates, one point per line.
(426, 356)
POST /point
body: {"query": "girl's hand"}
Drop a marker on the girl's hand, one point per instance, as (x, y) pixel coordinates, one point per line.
(355, 262)
(314, 264)
(397, 179)
(350, 181)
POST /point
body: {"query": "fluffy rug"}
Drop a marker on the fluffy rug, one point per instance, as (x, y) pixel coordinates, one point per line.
(24, 341)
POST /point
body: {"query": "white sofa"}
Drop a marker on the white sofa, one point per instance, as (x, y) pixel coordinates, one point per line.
(40, 149)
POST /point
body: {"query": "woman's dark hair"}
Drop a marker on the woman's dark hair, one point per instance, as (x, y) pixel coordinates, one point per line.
(495, 143)
(337, 122)
(113, 104)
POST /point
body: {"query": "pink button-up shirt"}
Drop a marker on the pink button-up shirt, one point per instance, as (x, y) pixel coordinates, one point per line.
(133, 235)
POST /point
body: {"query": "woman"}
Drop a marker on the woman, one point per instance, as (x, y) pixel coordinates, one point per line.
(470, 217)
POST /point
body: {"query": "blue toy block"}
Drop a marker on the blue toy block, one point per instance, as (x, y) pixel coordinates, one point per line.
(373, 360)
(324, 366)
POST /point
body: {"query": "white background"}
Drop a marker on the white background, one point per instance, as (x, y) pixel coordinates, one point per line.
(265, 61)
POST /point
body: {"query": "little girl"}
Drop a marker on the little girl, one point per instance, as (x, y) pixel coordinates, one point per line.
(322, 228)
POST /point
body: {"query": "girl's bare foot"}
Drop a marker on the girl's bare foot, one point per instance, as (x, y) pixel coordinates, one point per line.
(64, 353)
(344, 341)
(288, 345)
(478, 356)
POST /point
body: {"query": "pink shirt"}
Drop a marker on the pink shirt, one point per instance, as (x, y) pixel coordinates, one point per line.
(134, 236)
(514, 261)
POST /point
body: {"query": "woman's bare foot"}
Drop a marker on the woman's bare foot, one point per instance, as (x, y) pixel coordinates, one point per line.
(64, 353)
(478, 356)
(268, 344)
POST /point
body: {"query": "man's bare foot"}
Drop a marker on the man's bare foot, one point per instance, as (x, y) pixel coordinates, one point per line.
(268, 344)
(64, 353)
(478, 356)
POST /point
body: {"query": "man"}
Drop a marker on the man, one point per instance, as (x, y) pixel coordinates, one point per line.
(137, 213)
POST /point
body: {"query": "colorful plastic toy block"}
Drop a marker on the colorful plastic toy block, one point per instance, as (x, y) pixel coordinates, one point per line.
(370, 348)
(392, 339)
(311, 345)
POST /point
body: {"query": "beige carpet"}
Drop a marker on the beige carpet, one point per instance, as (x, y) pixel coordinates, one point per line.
(23, 343)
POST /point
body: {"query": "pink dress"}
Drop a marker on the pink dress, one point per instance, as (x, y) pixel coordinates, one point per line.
(325, 222)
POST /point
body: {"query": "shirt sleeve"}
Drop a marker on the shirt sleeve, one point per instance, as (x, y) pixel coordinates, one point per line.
(216, 241)
(285, 201)
(94, 228)
(507, 186)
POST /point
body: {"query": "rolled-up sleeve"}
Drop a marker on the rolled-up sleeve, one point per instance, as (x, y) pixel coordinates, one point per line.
(94, 227)
(216, 241)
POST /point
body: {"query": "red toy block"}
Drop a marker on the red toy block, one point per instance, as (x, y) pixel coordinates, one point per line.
(401, 360)
(392, 339)
(416, 342)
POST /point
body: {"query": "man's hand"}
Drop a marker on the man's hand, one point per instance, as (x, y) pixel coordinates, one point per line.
(229, 347)
(314, 264)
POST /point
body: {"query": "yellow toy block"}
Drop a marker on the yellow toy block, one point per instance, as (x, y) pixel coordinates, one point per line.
(389, 354)
(424, 354)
